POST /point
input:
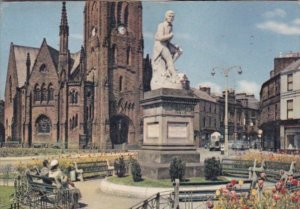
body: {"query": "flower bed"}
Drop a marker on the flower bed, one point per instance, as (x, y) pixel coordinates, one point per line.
(66, 161)
(258, 197)
(269, 156)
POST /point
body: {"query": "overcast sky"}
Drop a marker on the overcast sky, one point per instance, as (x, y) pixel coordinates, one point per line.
(212, 34)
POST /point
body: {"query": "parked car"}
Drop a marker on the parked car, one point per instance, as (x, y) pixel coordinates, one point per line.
(240, 145)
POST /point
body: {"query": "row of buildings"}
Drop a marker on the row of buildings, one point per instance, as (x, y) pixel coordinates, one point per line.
(92, 97)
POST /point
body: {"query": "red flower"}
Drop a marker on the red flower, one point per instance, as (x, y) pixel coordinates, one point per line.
(278, 186)
(295, 198)
(283, 191)
(273, 190)
(246, 207)
(294, 182)
(276, 197)
(233, 182)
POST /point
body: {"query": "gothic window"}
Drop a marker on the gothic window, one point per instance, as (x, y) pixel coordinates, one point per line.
(10, 89)
(50, 92)
(43, 124)
(70, 123)
(44, 95)
(94, 31)
(121, 83)
(119, 12)
(76, 120)
(128, 56)
(73, 97)
(37, 93)
(43, 68)
(126, 15)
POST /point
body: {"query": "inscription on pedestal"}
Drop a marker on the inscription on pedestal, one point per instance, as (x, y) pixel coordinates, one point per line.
(153, 130)
(178, 130)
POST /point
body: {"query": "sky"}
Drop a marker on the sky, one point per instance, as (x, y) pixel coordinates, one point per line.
(212, 35)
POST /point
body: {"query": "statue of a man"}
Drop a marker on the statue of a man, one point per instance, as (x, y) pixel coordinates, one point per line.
(164, 55)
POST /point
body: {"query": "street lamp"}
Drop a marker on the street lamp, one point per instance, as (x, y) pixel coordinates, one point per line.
(225, 72)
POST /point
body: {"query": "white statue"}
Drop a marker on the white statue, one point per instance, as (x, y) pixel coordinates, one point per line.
(164, 56)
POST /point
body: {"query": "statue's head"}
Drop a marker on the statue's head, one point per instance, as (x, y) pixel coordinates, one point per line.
(169, 16)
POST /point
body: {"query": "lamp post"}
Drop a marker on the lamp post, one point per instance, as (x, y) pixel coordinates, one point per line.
(225, 72)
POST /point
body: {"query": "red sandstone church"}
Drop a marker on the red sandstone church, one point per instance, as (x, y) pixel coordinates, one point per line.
(86, 98)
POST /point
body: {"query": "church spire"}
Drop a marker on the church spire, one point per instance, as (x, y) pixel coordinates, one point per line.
(64, 30)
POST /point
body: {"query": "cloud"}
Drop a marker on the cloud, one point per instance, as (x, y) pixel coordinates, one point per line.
(280, 28)
(215, 88)
(296, 21)
(76, 36)
(275, 13)
(248, 87)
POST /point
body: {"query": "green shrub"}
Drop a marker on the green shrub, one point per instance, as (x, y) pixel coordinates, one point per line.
(119, 166)
(177, 169)
(212, 168)
(136, 171)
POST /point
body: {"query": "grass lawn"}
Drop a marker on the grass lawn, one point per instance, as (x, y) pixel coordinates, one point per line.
(5, 193)
(127, 180)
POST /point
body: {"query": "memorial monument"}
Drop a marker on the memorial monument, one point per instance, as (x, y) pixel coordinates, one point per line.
(168, 111)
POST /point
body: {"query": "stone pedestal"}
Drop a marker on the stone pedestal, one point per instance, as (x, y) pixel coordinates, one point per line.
(168, 132)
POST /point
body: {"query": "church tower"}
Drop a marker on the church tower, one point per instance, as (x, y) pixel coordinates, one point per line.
(114, 51)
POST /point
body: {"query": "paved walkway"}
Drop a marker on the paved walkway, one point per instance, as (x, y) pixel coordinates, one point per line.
(94, 198)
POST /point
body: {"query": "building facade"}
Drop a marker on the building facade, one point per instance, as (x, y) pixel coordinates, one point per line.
(290, 106)
(2, 129)
(270, 103)
(87, 98)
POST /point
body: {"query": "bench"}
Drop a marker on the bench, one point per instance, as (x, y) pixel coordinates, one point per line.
(89, 169)
(41, 192)
(235, 167)
(274, 169)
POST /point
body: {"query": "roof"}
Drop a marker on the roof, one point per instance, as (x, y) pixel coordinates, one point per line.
(293, 66)
(203, 95)
(54, 55)
(21, 57)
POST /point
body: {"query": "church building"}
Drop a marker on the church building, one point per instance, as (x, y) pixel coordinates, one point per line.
(88, 98)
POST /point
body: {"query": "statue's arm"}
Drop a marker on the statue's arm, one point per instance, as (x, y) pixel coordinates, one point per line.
(160, 36)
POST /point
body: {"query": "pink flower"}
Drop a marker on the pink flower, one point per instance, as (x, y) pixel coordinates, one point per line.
(233, 182)
(276, 197)
(209, 204)
(294, 182)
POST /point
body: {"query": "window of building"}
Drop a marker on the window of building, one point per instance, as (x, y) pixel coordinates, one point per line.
(119, 12)
(43, 124)
(128, 56)
(290, 82)
(112, 13)
(121, 83)
(73, 97)
(44, 95)
(43, 68)
(50, 92)
(37, 93)
(126, 15)
(289, 104)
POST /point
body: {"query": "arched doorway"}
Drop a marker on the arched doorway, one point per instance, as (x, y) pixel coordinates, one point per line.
(119, 126)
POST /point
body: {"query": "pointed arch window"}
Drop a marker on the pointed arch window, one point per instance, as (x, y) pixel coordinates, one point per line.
(50, 92)
(126, 16)
(44, 95)
(37, 93)
(119, 13)
(121, 83)
(128, 56)
(43, 124)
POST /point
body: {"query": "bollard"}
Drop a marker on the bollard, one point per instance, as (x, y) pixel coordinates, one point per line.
(176, 194)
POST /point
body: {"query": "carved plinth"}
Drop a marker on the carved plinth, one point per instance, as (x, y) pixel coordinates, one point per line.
(168, 132)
